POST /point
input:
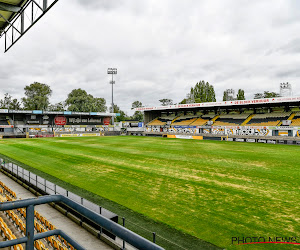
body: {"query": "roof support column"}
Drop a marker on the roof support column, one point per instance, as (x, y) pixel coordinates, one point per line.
(45, 4)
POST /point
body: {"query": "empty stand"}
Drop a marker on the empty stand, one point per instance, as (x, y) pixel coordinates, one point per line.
(296, 119)
(185, 120)
(18, 221)
(269, 119)
(230, 119)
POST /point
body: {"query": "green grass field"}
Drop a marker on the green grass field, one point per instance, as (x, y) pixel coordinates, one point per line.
(210, 190)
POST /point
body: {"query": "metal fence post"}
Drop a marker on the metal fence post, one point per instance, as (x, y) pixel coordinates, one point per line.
(123, 226)
(154, 234)
(45, 185)
(30, 227)
(36, 180)
(55, 188)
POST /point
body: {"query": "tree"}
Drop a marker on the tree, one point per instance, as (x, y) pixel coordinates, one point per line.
(202, 92)
(37, 96)
(183, 101)
(99, 105)
(258, 96)
(266, 94)
(138, 115)
(8, 103)
(166, 102)
(60, 106)
(224, 96)
(240, 95)
(80, 101)
(122, 116)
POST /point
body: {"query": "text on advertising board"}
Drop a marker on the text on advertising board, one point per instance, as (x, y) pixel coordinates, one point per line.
(60, 120)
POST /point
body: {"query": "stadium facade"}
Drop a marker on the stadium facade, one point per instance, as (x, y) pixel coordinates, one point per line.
(270, 117)
(39, 123)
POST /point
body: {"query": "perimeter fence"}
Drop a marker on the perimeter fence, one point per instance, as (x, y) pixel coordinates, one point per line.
(51, 188)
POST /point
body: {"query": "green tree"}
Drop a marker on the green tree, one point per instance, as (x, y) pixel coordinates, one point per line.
(9, 103)
(37, 96)
(99, 105)
(240, 95)
(202, 92)
(266, 94)
(122, 117)
(258, 96)
(224, 96)
(166, 102)
(60, 106)
(184, 101)
(80, 101)
(138, 115)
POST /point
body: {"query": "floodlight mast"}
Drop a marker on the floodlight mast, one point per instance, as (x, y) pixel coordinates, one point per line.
(112, 72)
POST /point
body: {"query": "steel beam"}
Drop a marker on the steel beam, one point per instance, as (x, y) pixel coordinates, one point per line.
(116, 229)
(9, 7)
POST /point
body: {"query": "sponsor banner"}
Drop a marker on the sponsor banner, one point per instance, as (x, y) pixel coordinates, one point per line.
(37, 112)
(100, 113)
(96, 134)
(79, 135)
(106, 120)
(250, 140)
(227, 103)
(60, 120)
(67, 113)
(80, 113)
(6, 126)
(271, 141)
(283, 133)
(262, 141)
(53, 112)
(141, 124)
(21, 111)
(189, 137)
(3, 110)
(240, 140)
(184, 126)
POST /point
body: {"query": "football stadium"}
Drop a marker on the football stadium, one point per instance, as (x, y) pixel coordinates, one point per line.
(209, 175)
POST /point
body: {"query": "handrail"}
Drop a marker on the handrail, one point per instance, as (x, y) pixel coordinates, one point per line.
(116, 229)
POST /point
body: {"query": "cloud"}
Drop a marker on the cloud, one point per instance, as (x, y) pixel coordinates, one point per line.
(161, 49)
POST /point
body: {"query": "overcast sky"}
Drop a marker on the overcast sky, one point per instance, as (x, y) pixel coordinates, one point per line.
(161, 48)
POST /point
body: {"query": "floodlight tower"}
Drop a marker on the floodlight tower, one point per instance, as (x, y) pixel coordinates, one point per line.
(285, 89)
(112, 72)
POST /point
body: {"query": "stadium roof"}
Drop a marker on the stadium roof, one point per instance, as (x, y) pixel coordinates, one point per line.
(237, 103)
(18, 16)
(43, 112)
(8, 10)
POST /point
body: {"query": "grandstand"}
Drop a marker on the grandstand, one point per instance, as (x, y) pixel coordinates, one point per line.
(13, 223)
(279, 116)
(16, 123)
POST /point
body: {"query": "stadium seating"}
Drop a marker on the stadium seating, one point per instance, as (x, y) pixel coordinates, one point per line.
(268, 119)
(230, 119)
(296, 119)
(18, 218)
(199, 122)
(184, 120)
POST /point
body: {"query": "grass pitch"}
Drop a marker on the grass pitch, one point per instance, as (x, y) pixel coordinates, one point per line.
(211, 190)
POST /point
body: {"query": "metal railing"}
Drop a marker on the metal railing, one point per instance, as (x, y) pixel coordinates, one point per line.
(114, 228)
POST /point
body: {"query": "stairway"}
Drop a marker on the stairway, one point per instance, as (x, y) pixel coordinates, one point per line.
(247, 120)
